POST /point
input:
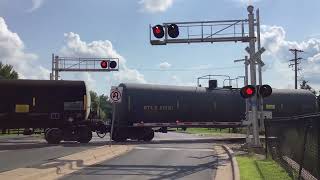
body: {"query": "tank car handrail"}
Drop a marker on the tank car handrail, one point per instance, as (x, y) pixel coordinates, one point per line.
(298, 117)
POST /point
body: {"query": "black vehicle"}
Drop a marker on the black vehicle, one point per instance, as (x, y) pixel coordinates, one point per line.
(146, 106)
(60, 107)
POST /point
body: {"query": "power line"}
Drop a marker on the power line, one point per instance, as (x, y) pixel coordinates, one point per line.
(295, 63)
(188, 69)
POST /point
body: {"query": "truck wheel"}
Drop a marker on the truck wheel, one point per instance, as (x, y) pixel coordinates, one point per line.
(149, 135)
(84, 135)
(53, 136)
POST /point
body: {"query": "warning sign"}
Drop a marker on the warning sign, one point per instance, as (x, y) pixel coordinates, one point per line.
(116, 94)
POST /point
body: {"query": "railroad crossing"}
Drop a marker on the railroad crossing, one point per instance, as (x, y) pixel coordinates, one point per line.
(226, 31)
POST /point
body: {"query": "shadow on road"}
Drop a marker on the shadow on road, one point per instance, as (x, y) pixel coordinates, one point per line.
(157, 172)
(21, 144)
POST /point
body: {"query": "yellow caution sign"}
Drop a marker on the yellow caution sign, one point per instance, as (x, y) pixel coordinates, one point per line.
(22, 108)
(270, 106)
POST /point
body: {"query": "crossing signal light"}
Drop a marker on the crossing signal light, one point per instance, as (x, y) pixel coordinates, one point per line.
(264, 90)
(173, 30)
(108, 64)
(104, 64)
(112, 64)
(158, 31)
(247, 91)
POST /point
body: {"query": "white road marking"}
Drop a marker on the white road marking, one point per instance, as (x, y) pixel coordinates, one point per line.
(173, 149)
(4, 151)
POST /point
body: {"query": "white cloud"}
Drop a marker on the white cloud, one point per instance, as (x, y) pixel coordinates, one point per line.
(164, 65)
(155, 6)
(12, 52)
(75, 47)
(274, 40)
(246, 2)
(177, 81)
(36, 4)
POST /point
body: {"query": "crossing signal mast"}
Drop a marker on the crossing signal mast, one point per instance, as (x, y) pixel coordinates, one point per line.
(242, 30)
(74, 64)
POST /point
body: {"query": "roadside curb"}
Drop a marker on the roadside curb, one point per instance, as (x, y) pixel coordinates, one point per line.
(234, 163)
(57, 168)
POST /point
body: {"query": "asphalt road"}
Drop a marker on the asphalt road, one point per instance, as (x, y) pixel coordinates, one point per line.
(25, 151)
(170, 156)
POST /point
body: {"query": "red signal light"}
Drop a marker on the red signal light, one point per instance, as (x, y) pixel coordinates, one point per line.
(247, 91)
(158, 31)
(104, 64)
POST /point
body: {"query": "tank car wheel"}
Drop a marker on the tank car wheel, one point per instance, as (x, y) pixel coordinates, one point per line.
(149, 135)
(84, 135)
(53, 136)
(118, 137)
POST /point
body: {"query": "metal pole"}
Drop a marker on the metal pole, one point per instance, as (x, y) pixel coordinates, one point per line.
(246, 63)
(295, 70)
(259, 45)
(266, 138)
(52, 72)
(256, 140)
(112, 122)
(246, 82)
(259, 69)
(56, 71)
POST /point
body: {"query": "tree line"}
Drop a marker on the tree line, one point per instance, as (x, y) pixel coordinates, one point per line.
(101, 107)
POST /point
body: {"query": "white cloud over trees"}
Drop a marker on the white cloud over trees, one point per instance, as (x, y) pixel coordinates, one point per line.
(75, 47)
(12, 51)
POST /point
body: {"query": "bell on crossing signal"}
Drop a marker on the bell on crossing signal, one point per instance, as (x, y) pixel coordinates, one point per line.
(112, 64)
(158, 31)
(247, 91)
(104, 64)
(264, 90)
(173, 30)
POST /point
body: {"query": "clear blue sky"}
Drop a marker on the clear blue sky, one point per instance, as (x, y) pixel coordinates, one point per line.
(41, 26)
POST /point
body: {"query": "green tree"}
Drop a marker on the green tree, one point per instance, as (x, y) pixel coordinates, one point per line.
(304, 85)
(100, 105)
(94, 101)
(7, 72)
(105, 105)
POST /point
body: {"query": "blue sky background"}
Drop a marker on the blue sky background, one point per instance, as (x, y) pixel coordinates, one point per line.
(33, 29)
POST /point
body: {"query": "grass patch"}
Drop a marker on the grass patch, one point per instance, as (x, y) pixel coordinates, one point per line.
(252, 168)
(207, 131)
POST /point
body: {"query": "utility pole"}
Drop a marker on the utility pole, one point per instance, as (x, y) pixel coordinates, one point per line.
(295, 61)
(246, 78)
